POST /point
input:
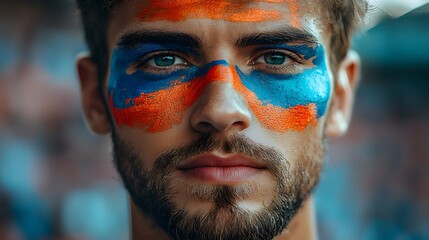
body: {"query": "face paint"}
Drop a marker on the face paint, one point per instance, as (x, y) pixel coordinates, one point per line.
(151, 101)
(294, 13)
(157, 102)
(310, 86)
(233, 11)
(290, 101)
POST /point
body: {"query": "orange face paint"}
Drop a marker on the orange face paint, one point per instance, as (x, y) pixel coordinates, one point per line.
(293, 7)
(161, 110)
(157, 102)
(273, 117)
(233, 11)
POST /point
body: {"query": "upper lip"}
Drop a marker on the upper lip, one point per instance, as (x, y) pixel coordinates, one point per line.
(212, 160)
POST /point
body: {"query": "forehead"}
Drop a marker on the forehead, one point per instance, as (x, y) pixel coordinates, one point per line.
(234, 17)
(227, 10)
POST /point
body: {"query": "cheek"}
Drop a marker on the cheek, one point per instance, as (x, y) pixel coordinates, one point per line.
(148, 101)
(158, 102)
(288, 102)
(157, 111)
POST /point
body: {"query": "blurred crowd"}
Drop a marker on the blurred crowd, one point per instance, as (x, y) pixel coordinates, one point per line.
(57, 180)
(376, 184)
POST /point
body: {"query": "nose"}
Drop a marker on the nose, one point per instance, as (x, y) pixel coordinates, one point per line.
(220, 109)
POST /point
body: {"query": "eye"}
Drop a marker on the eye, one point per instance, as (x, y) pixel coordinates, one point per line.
(165, 60)
(279, 62)
(273, 58)
(161, 63)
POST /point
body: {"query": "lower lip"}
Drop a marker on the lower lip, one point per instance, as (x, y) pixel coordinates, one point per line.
(222, 175)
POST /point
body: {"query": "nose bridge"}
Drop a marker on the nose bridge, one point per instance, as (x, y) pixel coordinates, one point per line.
(220, 96)
(219, 71)
(220, 107)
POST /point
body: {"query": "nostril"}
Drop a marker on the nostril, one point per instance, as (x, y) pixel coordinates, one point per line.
(239, 124)
(205, 126)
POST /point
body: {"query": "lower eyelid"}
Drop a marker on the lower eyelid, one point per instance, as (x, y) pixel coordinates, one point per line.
(166, 68)
(146, 67)
(290, 55)
(144, 59)
(162, 70)
(272, 69)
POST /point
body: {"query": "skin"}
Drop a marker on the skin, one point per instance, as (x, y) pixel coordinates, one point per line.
(226, 98)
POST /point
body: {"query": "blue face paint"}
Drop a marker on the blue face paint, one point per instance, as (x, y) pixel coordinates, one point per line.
(312, 86)
(305, 51)
(289, 90)
(123, 86)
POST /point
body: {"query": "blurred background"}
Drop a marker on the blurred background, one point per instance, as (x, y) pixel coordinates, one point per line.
(57, 180)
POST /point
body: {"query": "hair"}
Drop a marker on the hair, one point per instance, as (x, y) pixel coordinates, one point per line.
(343, 17)
(95, 15)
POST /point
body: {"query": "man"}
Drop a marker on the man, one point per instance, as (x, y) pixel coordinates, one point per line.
(218, 110)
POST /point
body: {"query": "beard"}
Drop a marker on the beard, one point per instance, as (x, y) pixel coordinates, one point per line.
(153, 191)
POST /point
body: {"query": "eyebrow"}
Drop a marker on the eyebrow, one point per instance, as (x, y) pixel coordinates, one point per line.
(289, 34)
(141, 37)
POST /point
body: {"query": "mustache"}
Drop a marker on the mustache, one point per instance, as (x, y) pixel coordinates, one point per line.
(235, 144)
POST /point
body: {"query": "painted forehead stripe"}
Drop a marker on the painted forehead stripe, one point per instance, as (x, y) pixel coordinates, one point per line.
(234, 11)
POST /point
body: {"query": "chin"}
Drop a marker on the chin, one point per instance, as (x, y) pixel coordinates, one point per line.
(196, 197)
(252, 206)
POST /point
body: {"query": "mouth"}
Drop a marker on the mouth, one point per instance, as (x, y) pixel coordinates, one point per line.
(212, 169)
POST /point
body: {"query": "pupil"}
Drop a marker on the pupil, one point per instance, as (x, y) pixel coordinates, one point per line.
(275, 58)
(164, 60)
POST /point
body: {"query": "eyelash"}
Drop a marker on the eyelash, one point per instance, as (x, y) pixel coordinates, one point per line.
(295, 57)
(143, 63)
(295, 66)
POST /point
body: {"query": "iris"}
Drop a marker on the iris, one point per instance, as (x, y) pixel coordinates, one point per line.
(275, 58)
(164, 60)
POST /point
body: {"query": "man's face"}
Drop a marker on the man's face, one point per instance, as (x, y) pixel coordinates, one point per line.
(219, 110)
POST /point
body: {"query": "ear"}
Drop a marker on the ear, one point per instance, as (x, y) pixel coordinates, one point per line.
(92, 102)
(347, 79)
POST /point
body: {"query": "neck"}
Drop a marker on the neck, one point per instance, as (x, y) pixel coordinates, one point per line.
(302, 226)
